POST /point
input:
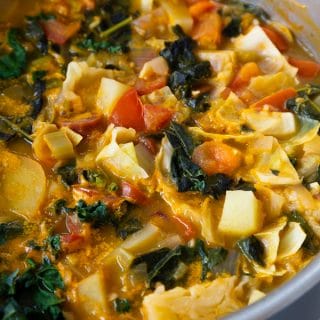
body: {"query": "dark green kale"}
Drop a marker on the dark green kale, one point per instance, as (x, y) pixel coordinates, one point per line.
(128, 226)
(31, 294)
(13, 63)
(113, 32)
(36, 35)
(163, 264)
(311, 243)
(97, 214)
(217, 185)
(186, 70)
(39, 87)
(10, 230)
(68, 173)
(60, 206)
(54, 243)
(243, 185)
(121, 305)
(187, 175)
(305, 104)
(253, 249)
(233, 28)
(256, 11)
(95, 177)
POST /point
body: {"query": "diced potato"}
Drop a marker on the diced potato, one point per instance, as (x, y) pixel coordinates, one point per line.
(60, 145)
(291, 240)
(255, 296)
(157, 66)
(277, 124)
(142, 241)
(178, 14)
(119, 258)
(242, 215)
(109, 94)
(93, 295)
(22, 186)
(142, 5)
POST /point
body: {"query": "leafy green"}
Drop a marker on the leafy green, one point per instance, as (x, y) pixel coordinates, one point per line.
(36, 35)
(121, 305)
(252, 249)
(97, 214)
(305, 104)
(128, 226)
(13, 63)
(163, 264)
(31, 294)
(54, 242)
(11, 126)
(244, 185)
(94, 45)
(68, 173)
(186, 70)
(217, 185)
(311, 243)
(95, 177)
(60, 206)
(10, 230)
(39, 87)
(233, 28)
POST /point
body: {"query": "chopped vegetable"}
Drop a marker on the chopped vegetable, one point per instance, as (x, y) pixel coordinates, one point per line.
(10, 230)
(68, 173)
(252, 249)
(278, 40)
(121, 305)
(307, 68)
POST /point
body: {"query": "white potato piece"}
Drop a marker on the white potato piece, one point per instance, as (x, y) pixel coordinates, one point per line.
(291, 240)
(22, 186)
(92, 293)
(109, 93)
(178, 14)
(242, 215)
(156, 67)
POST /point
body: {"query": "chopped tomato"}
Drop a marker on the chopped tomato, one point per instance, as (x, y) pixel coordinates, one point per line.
(58, 32)
(73, 224)
(83, 126)
(150, 144)
(71, 242)
(278, 40)
(156, 117)
(185, 227)
(306, 68)
(133, 193)
(216, 157)
(277, 100)
(208, 30)
(245, 74)
(147, 86)
(198, 8)
(128, 111)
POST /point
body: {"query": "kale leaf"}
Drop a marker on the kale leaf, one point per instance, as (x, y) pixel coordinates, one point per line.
(39, 87)
(253, 249)
(121, 305)
(94, 45)
(128, 226)
(31, 294)
(95, 177)
(54, 243)
(10, 230)
(217, 185)
(311, 243)
(13, 63)
(34, 33)
(233, 28)
(97, 214)
(305, 104)
(186, 70)
(68, 173)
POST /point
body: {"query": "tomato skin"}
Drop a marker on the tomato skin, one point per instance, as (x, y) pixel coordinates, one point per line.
(216, 157)
(133, 193)
(128, 112)
(147, 86)
(185, 227)
(58, 32)
(156, 117)
(150, 144)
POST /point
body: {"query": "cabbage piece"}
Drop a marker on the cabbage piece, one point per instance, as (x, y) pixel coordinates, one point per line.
(308, 130)
(271, 59)
(255, 296)
(210, 300)
(268, 84)
(223, 63)
(270, 237)
(80, 87)
(292, 240)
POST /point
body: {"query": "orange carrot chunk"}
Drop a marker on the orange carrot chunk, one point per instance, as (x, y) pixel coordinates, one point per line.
(307, 68)
(197, 9)
(278, 40)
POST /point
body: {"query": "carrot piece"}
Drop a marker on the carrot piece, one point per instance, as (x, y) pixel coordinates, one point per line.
(199, 8)
(225, 93)
(307, 68)
(208, 30)
(245, 74)
(276, 100)
(216, 157)
(278, 40)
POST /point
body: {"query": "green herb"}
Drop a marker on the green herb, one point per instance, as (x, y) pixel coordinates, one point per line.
(233, 28)
(121, 305)
(54, 242)
(8, 128)
(186, 70)
(95, 177)
(116, 27)
(68, 173)
(113, 187)
(252, 249)
(39, 87)
(10, 230)
(97, 214)
(311, 243)
(94, 45)
(217, 185)
(31, 294)
(60, 206)
(13, 63)
(305, 104)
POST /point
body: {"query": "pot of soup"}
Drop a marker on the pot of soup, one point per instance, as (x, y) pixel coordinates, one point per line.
(158, 159)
